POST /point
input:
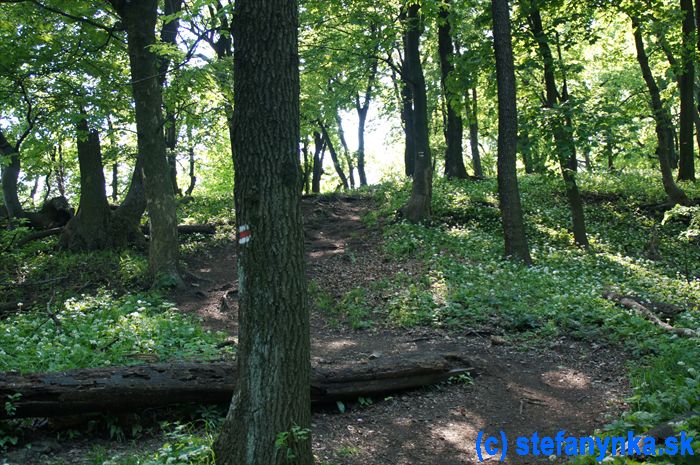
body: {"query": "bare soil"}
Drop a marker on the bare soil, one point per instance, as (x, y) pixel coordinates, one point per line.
(567, 385)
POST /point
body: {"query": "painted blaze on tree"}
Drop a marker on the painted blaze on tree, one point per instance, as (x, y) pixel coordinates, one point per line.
(270, 415)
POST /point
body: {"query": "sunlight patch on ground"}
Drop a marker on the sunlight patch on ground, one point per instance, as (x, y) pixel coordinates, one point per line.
(566, 378)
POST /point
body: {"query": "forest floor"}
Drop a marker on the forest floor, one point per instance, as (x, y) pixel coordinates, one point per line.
(563, 384)
(566, 385)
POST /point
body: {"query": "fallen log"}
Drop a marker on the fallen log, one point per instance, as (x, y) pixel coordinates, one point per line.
(646, 313)
(133, 388)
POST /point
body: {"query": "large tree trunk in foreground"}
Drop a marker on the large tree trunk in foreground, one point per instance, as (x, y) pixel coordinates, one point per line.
(454, 163)
(140, 20)
(147, 386)
(662, 120)
(272, 389)
(562, 129)
(419, 206)
(508, 192)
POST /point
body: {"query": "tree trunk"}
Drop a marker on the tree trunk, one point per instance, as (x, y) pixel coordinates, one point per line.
(193, 177)
(508, 192)
(319, 153)
(346, 150)
(134, 204)
(525, 149)
(91, 228)
(418, 207)
(140, 20)
(132, 388)
(95, 227)
(454, 163)
(362, 110)
(61, 171)
(662, 120)
(409, 126)
(562, 130)
(170, 145)
(272, 393)
(474, 134)
(686, 84)
(115, 182)
(10, 178)
(334, 156)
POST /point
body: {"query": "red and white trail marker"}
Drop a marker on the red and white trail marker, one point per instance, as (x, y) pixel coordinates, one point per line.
(244, 234)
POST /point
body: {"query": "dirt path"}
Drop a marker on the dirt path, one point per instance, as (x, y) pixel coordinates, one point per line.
(568, 386)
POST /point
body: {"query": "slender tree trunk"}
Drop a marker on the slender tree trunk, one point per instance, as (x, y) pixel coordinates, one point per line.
(508, 192)
(409, 126)
(474, 134)
(10, 178)
(686, 162)
(140, 20)
(308, 165)
(115, 181)
(662, 119)
(562, 130)
(419, 206)
(454, 163)
(193, 177)
(170, 146)
(272, 394)
(61, 171)
(609, 150)
(697, 96)
(334, 156)
(362, 122)
(362, 108)
(346, 150)
(525, 149)
(319, 153)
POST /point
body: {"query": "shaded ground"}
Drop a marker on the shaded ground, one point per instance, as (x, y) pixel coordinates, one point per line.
(569, 385)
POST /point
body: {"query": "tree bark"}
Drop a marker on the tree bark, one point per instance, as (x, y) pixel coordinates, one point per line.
(408, 119)
(562, 129)
(193, 177)
(334, 156)
(418, 208)
(508, 192)
(346, 150)
(95, 227)
(319, 154)
(686, 84)
(132, 388)
(10, 178)
(474, 134)
(662, 120)
(525, 149)
(362, 108)
(140, 21)
(91, 228)
(272, 392)
(454, 162)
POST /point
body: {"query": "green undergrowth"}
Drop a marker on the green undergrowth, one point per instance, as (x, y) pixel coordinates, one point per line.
(467, 284)
(100, 330)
